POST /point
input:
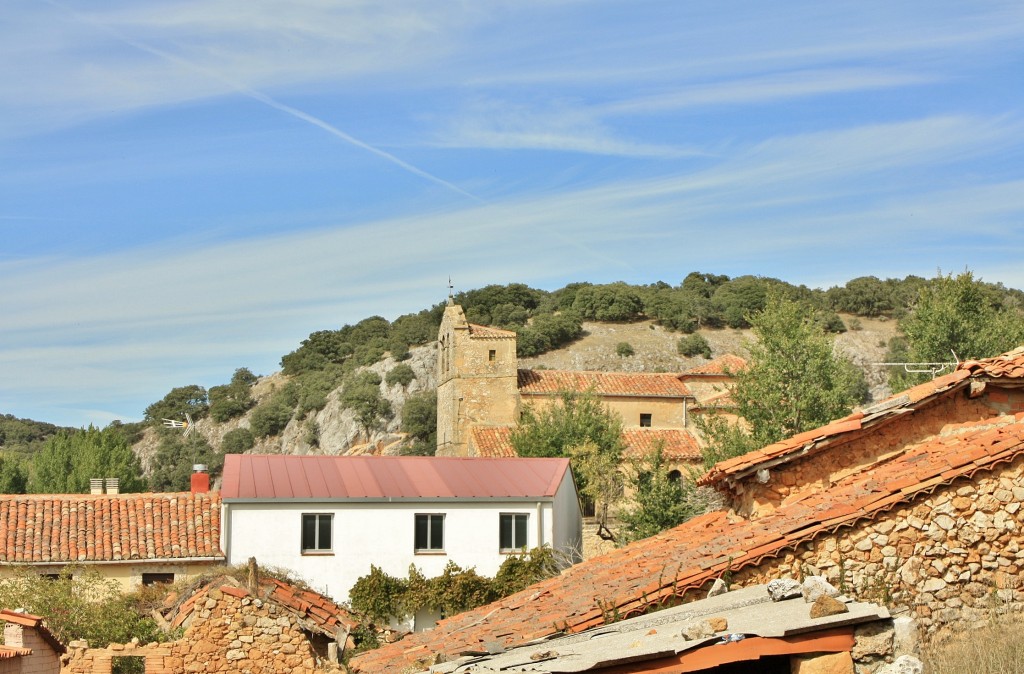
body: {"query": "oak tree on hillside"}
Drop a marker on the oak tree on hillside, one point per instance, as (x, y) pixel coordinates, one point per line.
(794, 381)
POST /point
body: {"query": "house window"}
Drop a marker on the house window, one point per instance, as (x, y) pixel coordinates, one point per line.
(491, 355)
(429, 533)
(645, 420)
(157, 579)
(512, 532)
(316, 532)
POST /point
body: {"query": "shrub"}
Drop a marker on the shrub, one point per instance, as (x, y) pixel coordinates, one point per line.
(271, 417)
(693, 345)
(400, 374)
(624, 349)
(237, 441)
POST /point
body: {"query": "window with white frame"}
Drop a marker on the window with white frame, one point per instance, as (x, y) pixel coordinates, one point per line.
(316, 532)
(512, 528)
(429, 533)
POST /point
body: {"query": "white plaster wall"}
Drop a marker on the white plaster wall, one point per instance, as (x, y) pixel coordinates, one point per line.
(568, 527)
(382, 534)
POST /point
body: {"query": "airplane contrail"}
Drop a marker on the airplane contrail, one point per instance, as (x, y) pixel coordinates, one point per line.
(268, 101)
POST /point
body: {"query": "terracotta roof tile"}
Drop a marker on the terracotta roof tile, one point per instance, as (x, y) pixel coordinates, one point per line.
(641, 384)
(62, 528)
(632, 580)
(679, 444)
(723, 365)
(487, 332)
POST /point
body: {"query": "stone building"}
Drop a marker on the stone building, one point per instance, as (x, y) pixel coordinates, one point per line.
(29, 647)
(916, 502)
(481, 391)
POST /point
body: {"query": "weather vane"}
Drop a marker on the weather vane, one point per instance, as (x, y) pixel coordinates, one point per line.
(188, 425)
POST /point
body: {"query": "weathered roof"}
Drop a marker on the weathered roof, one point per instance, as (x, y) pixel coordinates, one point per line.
(1009, 365)
(678, 443)
(725, 365)
(318, 612)
(63, 528)
(639, 384)
(487, 332)
(658, 638)
(633, 579)
(277, 476)
(33, 622)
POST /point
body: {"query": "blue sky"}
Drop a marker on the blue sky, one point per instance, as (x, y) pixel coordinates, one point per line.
(192, 186)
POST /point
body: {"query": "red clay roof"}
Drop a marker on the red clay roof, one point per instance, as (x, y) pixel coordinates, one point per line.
(493, 441)
(632, 580)
(679, 444)
(31, 621)
(487, 332)
(259, 476)
(726, 364)
(642, 384)
(63, 528)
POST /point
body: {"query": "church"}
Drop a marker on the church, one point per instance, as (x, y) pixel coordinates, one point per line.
(481, 391)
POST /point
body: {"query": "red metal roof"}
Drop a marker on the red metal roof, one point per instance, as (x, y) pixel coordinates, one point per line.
(645, 384)
(633, 579)
(61, 528)
(257, 476)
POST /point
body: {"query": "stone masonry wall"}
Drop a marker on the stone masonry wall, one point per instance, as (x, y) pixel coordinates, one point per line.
(950, 559)
(229, 633)
(816, 471)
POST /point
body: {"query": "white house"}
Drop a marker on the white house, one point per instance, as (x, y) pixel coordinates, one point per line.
(328, 518)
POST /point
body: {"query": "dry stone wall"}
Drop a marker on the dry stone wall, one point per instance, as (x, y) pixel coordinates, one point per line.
(951, 559)
(229, 633)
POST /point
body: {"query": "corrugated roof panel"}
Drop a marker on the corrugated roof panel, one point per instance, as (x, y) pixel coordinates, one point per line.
(330, 477)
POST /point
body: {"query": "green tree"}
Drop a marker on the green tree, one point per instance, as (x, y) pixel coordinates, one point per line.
(956, 315)
(600, 479)
(71, 458)
(13, 475)
(401, 374)
(419, 420)
(570, 421)
(271, 416)
(175, 456)
(178, 402)
(660, 501)
(80, 604)
(362, 396)
(693, 345)
(237, 441)
(624, 350)
(794, 381)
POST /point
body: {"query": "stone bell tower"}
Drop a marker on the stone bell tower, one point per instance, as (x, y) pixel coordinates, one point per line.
(476, 378)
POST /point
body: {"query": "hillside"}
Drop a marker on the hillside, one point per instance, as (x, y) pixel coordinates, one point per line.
(655, 350)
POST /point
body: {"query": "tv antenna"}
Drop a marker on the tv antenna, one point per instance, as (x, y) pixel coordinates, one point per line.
(188, 424)
(934, 369)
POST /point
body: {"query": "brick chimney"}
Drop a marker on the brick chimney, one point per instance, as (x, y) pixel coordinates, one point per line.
(200, 479)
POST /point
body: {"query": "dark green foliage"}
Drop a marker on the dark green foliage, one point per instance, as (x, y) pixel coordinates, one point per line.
(311, 389)
(362, 395)
(957, 315)
(80, 604)
(379, 596)
(737, 299)
(175, 456)
(793, 382)
(693, 345)
(237, 441)
(830, 322)
(234, 399)
(178, 402)
(70, 459)
(24, 437)
(499, 305)
(400, 374)
(613, 302)
(571, 421)
(13, 474)
(660, 502)
(548, 331)
(272, 415)
(419, 420)
(624, 349)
